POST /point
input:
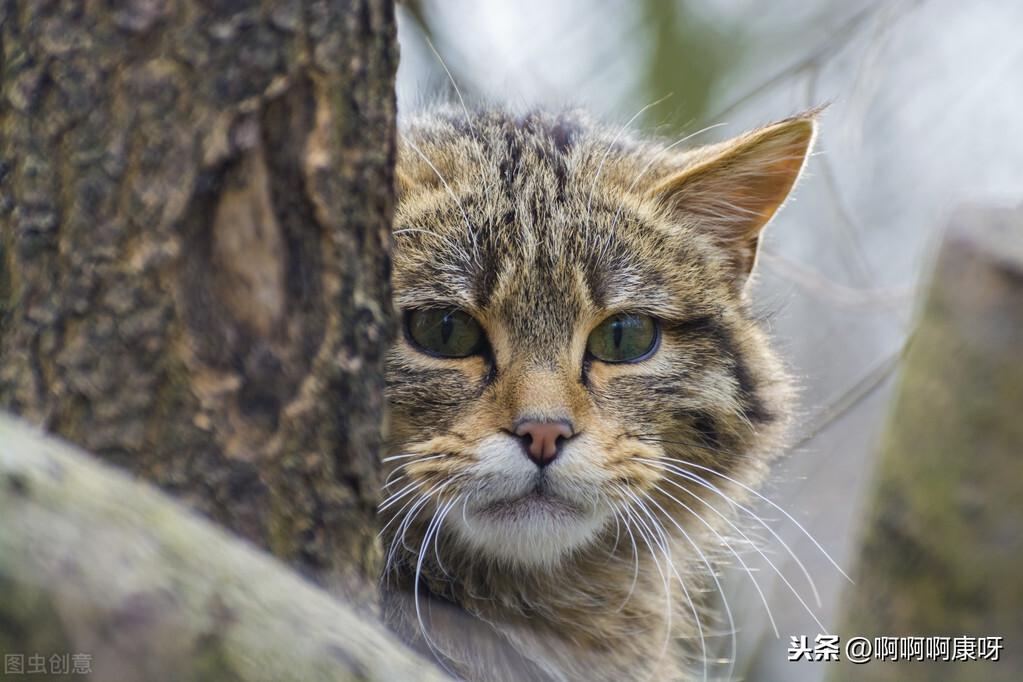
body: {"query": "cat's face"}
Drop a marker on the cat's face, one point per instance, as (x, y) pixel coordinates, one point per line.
(573, 325)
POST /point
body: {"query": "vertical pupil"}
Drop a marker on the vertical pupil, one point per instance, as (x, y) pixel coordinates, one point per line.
(447, 325)
(617, 329)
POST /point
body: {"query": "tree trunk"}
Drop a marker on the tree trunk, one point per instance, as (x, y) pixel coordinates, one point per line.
(943, 544)
(196, 200)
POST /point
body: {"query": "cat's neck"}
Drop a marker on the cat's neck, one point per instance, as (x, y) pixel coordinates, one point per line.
(606, 604)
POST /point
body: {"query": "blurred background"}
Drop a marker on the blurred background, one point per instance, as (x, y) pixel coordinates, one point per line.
(924, 117)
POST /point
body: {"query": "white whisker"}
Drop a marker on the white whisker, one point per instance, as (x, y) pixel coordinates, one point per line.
(383, 506)
(650, 164)
(685, 590)
(806, 573)
(436, 536)
(432, 527)
(713, 575)
(787, 515)
(780, 574)
(635, 555)
(417, 503)
(447, 187)
(742, 562)
(610, 146)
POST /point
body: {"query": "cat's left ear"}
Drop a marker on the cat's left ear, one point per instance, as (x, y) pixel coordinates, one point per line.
(732, 189)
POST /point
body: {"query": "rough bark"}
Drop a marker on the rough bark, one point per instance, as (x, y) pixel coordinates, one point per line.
(94, 563)
(943, 543)
(195, 212)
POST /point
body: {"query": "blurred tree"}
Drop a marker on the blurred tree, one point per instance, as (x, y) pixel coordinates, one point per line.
(688, 56)
(942, 543)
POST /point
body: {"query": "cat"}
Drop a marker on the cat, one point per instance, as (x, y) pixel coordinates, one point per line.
(580, 392)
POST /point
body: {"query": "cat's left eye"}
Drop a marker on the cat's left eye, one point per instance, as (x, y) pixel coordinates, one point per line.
(624, 337)
(448, 333)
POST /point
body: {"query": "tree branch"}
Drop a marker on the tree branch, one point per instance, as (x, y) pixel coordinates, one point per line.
(93, 562)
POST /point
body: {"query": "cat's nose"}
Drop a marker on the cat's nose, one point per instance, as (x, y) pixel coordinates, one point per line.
(542, 440)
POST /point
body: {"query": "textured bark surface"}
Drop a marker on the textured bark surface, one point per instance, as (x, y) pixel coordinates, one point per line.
(94, 563)
(943, 545)
(195, 210)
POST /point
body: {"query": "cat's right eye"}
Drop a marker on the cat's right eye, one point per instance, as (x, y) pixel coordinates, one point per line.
(444, 332)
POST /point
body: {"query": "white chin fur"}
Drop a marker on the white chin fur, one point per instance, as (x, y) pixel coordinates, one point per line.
(533, 537)
(508, 525)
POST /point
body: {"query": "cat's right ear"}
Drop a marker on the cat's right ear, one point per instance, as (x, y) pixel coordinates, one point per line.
(732, 190)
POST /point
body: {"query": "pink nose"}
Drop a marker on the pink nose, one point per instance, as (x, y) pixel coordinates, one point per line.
(542, 439)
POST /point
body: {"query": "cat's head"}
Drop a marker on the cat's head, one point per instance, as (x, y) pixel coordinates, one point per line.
(575, 334)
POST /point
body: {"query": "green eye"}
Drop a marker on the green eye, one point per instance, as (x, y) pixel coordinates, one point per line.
(623, 338)
(448, 333)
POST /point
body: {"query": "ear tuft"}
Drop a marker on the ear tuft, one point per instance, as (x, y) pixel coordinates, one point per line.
(734, 188)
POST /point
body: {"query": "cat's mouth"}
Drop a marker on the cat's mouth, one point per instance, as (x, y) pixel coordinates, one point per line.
(535, 520)
(539, 500)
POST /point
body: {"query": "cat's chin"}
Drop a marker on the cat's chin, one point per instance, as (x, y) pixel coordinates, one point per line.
(536, 529)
